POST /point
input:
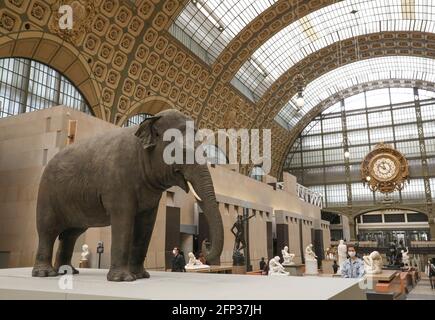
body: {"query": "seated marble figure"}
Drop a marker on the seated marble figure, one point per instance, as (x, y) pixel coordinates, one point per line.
(288, 257)
(276, 268)
(195, 263)
(309, 253)
(373, 263)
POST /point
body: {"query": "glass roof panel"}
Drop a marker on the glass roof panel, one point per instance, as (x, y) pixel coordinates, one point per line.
(330, 25)
(214, 23)
(382, 68)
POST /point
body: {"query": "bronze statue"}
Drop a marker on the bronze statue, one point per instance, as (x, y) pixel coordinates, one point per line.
(240, 238)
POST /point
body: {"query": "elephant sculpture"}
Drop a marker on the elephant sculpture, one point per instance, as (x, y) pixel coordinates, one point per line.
(117, 179)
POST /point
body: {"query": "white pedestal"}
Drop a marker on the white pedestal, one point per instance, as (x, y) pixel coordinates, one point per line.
(278, 274)
(295, 270)
(288, 264)
(92, 284)
(311, 267)
(197, 267)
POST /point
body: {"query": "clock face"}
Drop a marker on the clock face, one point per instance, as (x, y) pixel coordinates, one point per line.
(384, 168)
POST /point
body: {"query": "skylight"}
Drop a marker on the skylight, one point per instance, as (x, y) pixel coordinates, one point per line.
(212, 24)
(329, 25)
(382, 68)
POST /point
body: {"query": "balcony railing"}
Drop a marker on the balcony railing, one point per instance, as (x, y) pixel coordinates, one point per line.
(310, 196)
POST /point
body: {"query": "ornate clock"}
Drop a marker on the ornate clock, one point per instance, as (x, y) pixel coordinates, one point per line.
(384, 169)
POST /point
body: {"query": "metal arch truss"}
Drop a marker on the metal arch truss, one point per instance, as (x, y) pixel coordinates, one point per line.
(422, 145)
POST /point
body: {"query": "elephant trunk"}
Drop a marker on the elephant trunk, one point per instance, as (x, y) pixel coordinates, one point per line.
(201, 181)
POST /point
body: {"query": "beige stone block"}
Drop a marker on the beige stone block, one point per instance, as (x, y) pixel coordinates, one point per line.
(77, 74)
(21, 160)
(289, 182)
(88, 88)
(30, 175)
(62, 60)
(16, 128)
(25, 47)
(6, 48)
(46, 50)
(34, 142)
(9, 194)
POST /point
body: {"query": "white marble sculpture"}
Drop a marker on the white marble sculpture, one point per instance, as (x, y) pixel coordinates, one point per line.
(288, 257)
(276, 268)
(373, 263)
(85, 252)
(311, 267)
(342, 255)
(195, 263)
(329, 254)
(309, 253)
(405, 258)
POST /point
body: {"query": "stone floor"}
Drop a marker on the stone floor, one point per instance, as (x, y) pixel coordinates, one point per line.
(422, 291)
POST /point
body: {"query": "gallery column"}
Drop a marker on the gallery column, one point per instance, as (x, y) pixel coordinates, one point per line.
(352, 229)
(432, 228)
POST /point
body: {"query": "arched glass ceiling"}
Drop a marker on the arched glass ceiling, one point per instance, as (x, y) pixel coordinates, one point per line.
(334, 23)
(212, 24)
(382, 68)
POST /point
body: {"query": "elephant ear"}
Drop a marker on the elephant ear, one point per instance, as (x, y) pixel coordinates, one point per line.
(147, 133)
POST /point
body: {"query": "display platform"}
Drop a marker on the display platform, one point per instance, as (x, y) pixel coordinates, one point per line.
(213, 269)
(385, 276)
(92, 284)
(295, 269)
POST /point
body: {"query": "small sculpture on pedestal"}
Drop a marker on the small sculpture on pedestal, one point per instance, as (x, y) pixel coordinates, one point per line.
(84, 262)
(342, 255)
(288, 257)
(276, 268)
(309, 253)
(330, 253)
(310, 260)
(195, 263)
(405, 258)
(373, 263)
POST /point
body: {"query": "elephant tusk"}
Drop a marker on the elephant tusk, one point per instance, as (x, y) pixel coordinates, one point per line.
(193, 191)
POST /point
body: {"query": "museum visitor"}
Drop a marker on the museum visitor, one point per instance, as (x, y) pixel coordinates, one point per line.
(178, 261)
(354, 266)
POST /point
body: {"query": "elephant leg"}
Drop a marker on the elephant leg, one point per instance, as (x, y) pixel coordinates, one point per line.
(143, 229)
(44, 255)
(67, 240)
(122, 229)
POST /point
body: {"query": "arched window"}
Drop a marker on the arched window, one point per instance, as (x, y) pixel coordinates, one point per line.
(257, 173)
(27, 85)
(214, 154)
(136, 119)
